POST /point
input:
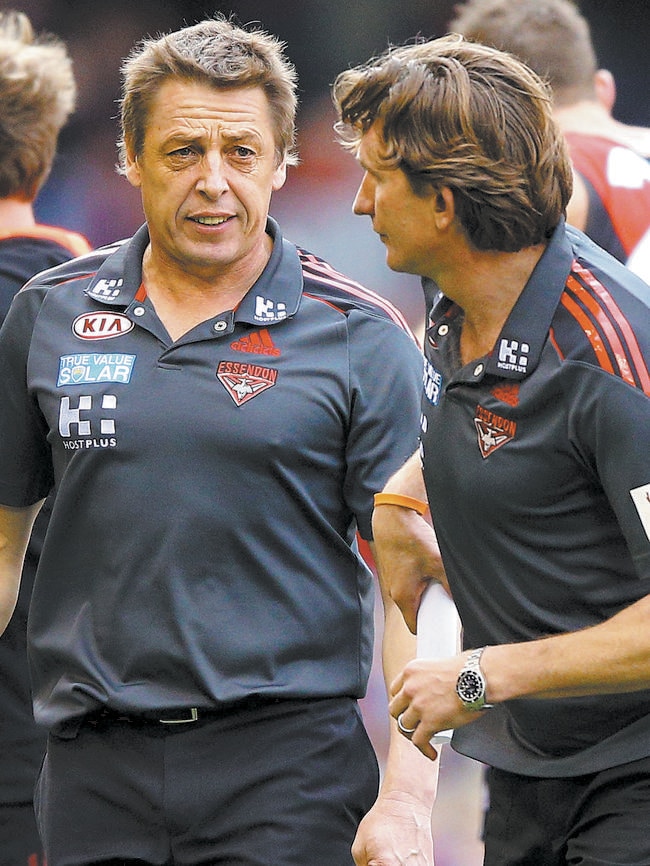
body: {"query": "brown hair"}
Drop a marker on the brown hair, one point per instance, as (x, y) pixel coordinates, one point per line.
(550, 36)
(37, 95)
(471, 118)
(218, 53)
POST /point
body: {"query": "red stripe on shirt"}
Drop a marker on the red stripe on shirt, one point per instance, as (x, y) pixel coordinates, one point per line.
(323, 273)
(591, 333)
(605, 308)
(602, 320)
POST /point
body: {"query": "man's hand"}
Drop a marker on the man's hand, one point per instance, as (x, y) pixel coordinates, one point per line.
(424, 697)
(396, 832)
(407, 555)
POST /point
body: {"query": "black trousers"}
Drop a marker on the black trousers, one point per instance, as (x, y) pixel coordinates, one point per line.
(20, 844)
(280, 785)
(602, 819)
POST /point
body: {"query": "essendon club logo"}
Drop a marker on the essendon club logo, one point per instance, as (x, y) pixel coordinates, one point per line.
(493, 430)
(101, 326)
(245, 381)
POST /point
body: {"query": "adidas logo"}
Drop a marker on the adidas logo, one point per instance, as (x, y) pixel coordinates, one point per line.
(256, 343)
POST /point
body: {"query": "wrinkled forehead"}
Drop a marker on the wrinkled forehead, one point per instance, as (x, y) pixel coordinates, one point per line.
(188, 109)
(196, 101)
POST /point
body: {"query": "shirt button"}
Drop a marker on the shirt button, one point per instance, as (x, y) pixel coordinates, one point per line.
(220, 326)
(478, 369)
(443, 330)
(139, 311)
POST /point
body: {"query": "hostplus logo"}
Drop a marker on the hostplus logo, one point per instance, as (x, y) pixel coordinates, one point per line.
(513, 356)
(269, 311)
(79, 430)
(106, 289)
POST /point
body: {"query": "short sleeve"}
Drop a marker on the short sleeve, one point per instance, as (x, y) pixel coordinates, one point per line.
(25, 462)
(386, 368)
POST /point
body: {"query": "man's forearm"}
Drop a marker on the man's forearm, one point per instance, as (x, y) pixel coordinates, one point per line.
(407, 553)
(408, 480)
(408, 774)
(611, 657)
(15, 528)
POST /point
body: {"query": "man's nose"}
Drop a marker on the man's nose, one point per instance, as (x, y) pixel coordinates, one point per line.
(363, 200)
(212, 180)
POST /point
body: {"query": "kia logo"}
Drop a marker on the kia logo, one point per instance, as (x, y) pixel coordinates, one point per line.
(101, 326)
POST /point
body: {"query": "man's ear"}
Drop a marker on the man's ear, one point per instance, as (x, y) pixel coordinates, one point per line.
(279, 176)
(605, 87)
(131, 168)
(444, 207)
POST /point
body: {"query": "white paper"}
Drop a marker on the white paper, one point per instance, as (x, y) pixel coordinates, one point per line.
(438, 633)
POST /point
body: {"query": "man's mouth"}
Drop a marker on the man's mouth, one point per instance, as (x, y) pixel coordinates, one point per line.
(210, 220)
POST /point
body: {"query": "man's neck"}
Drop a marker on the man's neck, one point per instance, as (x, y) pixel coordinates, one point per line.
(589, 117)
(487, 287)
(16, 215)
(183, 299)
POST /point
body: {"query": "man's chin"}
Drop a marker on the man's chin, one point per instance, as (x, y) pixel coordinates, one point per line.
(396, 265)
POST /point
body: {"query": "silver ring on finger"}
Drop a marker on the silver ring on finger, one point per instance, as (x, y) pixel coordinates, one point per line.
(408, 732)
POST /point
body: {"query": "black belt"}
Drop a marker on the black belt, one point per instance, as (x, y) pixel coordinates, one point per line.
(182, 715)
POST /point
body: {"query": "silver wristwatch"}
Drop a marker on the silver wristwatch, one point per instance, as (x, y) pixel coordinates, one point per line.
(471, 685)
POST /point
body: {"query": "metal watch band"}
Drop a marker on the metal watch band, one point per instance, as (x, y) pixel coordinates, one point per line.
(471, 684)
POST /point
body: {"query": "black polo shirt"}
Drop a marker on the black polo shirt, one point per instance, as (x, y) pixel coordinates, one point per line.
(537, 466)
(208, 490)
(22, 743)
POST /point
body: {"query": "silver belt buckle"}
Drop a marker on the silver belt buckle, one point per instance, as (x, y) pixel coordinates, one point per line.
(192, 717)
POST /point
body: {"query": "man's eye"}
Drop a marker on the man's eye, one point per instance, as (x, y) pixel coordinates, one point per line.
(243, 152)
(182, 151)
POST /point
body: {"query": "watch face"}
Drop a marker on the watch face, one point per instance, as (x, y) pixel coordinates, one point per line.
(470, 687)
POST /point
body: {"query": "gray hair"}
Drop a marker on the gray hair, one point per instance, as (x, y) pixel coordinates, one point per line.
(220, 54)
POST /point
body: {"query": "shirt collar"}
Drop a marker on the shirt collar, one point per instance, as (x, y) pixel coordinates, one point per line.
(277, 293)
(274, 297)
(120, 274)
(519, 347)
(522, 338)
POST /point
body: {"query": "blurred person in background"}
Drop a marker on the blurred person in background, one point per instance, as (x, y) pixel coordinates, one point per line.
(37, 95)
(216, 409)
(533, 457)
(611, 195)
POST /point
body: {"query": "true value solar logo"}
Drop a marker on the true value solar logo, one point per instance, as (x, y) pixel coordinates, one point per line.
(80, 369)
